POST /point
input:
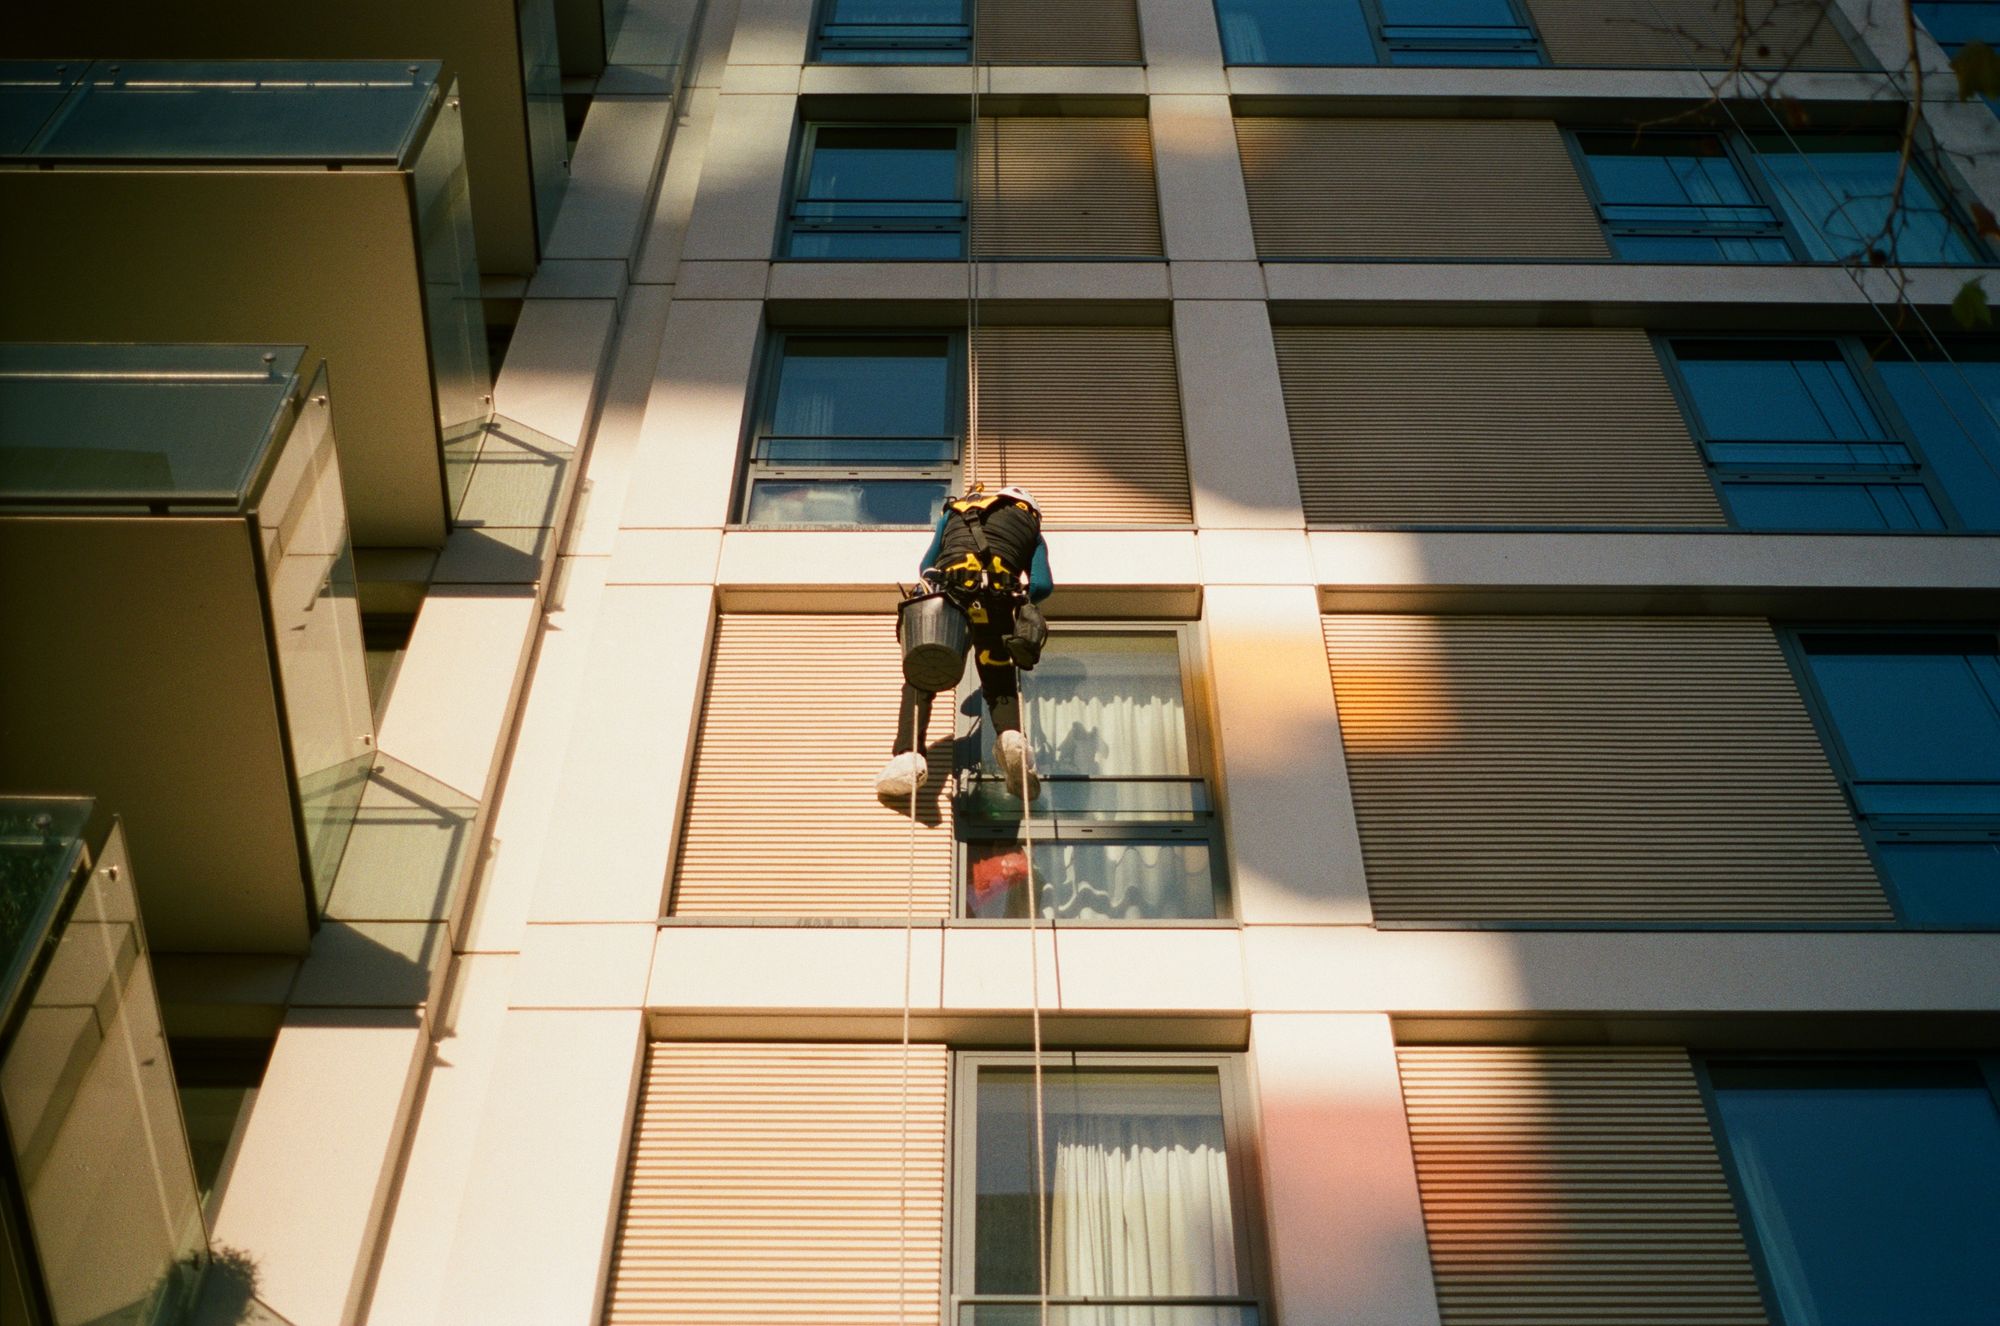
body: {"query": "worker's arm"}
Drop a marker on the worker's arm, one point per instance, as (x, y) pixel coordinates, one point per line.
(1041, 583)
(937, 545)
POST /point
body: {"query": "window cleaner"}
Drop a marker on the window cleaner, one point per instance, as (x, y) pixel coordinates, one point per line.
(986, 569)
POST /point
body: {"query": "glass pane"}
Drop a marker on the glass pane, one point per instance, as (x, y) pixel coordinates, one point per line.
(1299, 32)
(1831, 506)
(1836, 191)
(1811, 455)
(861, 54)
(30, 92)
(1681, 170)
(865, 387)
(1956, 23)
(246, 110)
(1096, 881)
(1952, 408)
(1071, 797)
(1957, 801)
(1097, 1314)
(316, 621)
(1870, 1190)
(1945, 883)
(846, 502)
(885, 244)
(1698, 248)
(95, 1127)
(39, 851)
(1135, 1184)
(548, 136)
(452, 305)
(1911, 717)
(896, 11)
(839, 451)
(1109, 704)
(1450, 13)
(1796, 394)
(875, 163)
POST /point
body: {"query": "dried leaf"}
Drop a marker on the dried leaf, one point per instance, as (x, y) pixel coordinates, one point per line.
(1969, 306)
(1978, 70)
(1984, 220)
(1795, 112)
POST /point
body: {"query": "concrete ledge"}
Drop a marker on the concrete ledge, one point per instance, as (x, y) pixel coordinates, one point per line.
(611, 179)
(1877, 575)
(1052, 282)
(1537, 93)
(862, 80)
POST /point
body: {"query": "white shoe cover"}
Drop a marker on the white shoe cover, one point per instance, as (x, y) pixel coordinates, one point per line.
(902, 776)
(1016, 761)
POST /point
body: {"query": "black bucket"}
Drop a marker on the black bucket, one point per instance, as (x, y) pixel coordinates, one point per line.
(935, 636)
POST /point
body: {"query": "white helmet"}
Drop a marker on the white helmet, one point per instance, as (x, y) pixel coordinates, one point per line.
(1021, 495)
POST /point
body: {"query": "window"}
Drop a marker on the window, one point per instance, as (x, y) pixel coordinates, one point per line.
(1140, 1193)
(1954, 23)
(895, 32)
(1866, 1188)
(1912, 722)
(1835, 190)
(878, 191)
(1125, 828)
(1679, 197)
(1358, 32)
(1794, 441)
(1953, 409)
(855, 429)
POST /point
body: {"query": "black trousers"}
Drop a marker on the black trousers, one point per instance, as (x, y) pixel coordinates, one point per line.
(998, 682)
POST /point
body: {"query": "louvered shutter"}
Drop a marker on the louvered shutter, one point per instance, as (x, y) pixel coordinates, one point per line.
(1673, 34)
(775, 1185)
(782, 818)
(1065, 186)
(1488, 425)
(1088, 419)
(1072, 32)
(1573, 1185)
(1590, 769)
(1371, 188)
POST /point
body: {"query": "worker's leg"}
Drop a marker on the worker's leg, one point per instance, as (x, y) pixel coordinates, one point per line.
(913, 719)
(1001, 685)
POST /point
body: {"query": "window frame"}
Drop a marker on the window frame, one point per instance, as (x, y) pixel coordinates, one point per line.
(1736, 151)
(1924, 168)
(1876, 830)
(1373, 18)
(1240, 1140)
(1206, 830)
(877, 37)
(758, 419)
(1895, 429)
(1986, 1063)
(807, 144)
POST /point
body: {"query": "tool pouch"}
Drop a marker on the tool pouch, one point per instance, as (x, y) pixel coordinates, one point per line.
(1030, 633)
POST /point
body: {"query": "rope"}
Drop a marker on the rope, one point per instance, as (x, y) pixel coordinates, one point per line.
(903, 1124)
(1035, 1008)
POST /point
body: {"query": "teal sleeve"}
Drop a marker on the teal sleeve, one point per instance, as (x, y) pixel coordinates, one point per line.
(937, 546)
(1041, 583)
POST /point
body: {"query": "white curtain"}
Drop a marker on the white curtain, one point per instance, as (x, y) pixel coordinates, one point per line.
(1133, 880)
(1139, 1207)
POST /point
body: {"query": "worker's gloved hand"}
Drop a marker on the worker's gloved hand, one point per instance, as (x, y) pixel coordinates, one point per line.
(932, 581)
(1030, 633)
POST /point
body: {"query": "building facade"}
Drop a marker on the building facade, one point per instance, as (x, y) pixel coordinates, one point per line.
(1521, 729)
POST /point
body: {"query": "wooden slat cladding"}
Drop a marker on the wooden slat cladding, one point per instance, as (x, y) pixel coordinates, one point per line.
(1574, 1185)
(1072, 32)
(782, 818)
(1088, 419)
(1639, 769)
(1673, 34)
(772, 1185)
(1377, 188)
(1488, 425)
(1069, 186)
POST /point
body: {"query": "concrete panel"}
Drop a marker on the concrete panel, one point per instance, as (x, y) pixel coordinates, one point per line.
(1130, 967)
(656, 32)
(879, 281)
(611, 178)
(1217, 280)
(584, 966)
(631, 739)
(549, 379)
(578, 278)
(1183, 49)
(609, 464)
(1233, 409)
(1294, 846)
(665, 557)
(1058, 80)
(1204, 211)
(1255, 557)
(771, 32)
(522, 822)
(1340, 1181)
(674, 205)
(455, 690)
(374, 964)
(684, 468)
(834, 559)
(742, 178)
(711, 43)
(760, 78)
(312, 1172)
(721, 280)
(541, 1202)
(430, 1190)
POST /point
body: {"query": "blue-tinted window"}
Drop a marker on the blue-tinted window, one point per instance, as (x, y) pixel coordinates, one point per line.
(1953, 23)
(1358, 32)
(855, 430)
(1951, 408)
(879, 191)
(1871, 1191)
(1795, 443)
(895, 32)
(1679, 198)
(1836, 190)
(1916, 726)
